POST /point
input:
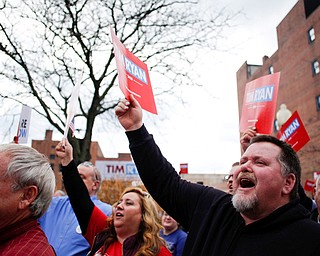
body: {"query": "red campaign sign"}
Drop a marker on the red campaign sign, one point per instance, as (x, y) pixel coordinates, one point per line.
(294, 132)
(259, 104)
(183, 168)
(315, 175)
(309, 185)
(133, 76)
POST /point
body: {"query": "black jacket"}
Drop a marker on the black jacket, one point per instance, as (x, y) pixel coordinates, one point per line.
(215, 227)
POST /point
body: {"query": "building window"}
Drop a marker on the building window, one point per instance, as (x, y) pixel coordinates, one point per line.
(315, 67)
(311, 35)
(318, 102)
(52, 156)
(271, 70)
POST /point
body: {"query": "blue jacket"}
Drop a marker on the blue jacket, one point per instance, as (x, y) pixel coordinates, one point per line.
(175, 241)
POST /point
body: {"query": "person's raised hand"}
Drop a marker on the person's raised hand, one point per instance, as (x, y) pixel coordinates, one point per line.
(129, 113)
(249, 133)
(64, 151)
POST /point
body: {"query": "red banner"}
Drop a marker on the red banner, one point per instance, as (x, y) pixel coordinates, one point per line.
(309, 185)
(183, 169)
(294, 132)
(259, 104)
(133, 76)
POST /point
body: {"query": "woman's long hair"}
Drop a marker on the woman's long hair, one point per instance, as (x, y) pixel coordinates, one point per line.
(148, 235)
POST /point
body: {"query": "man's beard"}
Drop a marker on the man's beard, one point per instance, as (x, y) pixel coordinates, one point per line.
(245, 203)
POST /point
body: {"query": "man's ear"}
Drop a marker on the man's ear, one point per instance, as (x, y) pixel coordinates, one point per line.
(95, 186)
(29, 194)
(289, 183)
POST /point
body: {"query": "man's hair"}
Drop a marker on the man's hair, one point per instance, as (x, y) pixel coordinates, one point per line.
(288, 159)
(96, 175)
(28, 167)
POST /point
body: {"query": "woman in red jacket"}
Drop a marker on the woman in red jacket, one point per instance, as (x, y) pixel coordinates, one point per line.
(133, 229)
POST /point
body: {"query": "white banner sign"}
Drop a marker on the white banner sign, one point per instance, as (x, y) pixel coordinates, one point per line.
(117, 169)
(24, 123)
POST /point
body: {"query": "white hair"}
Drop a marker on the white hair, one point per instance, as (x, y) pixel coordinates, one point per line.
(28, 167)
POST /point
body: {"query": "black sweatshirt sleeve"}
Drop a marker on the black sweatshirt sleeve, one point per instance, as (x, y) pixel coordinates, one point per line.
(176, 196)
(78, 194)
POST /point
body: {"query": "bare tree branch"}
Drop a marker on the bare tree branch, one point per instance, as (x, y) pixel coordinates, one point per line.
(44, 44)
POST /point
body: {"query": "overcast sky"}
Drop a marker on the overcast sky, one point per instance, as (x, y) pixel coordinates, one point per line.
(204, 133)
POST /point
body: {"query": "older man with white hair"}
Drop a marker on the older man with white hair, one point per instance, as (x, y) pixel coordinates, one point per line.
(26, 187)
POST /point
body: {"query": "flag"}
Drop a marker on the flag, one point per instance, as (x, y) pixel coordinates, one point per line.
(72, 107)
(71, 126)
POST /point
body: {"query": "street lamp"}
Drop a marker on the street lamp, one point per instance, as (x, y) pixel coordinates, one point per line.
(282, 115)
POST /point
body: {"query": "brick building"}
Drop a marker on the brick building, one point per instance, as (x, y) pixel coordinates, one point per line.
(47, 147)
(297, 58)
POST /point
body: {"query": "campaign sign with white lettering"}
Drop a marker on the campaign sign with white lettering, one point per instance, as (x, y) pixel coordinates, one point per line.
(24, 123)
(133, 75)
(259, 103)
(309, 185)
(315, 175)
(294, 132)
(117, 170)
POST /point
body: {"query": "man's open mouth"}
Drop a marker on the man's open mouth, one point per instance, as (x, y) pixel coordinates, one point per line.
(246, 182)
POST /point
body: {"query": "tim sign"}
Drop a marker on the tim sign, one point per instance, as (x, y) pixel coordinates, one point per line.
(117, 169)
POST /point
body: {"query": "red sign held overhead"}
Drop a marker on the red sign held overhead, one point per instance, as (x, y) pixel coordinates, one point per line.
(133, 76)
(294, 132)
(259, 104)
(183, 169)
(309, 185)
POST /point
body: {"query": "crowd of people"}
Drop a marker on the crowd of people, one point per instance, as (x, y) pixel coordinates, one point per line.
(264, 210)
(60, 223)
(262, 216)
